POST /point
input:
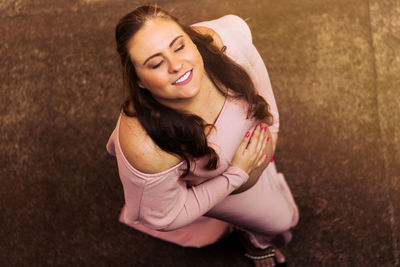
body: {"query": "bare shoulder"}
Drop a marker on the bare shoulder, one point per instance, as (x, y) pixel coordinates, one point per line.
(205, 30)
(140, 150)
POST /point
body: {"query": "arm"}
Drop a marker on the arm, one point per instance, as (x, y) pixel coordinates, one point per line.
(170, 205)
(258, 73)
(160, 199)
(250, 59)
(235, 34)
(252, 149)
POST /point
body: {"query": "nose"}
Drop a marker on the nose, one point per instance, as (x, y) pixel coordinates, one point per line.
(175, 65)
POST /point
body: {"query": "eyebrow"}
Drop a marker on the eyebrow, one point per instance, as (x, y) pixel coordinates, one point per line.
(159, 54)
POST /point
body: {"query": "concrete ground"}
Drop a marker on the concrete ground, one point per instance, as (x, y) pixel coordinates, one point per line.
(335, 69)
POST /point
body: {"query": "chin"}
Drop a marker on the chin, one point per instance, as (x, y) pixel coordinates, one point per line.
(192, 92)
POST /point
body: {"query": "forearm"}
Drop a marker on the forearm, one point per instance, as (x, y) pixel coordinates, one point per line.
(201, 198)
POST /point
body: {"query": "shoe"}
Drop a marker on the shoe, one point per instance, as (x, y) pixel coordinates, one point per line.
(269, 254)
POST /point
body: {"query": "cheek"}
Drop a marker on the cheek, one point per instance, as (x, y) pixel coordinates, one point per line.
(193, 53)
(197, 56)
(152, 80)
(200, 60)
(200, 64)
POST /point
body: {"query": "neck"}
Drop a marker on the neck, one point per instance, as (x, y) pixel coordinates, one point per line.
(209, 103)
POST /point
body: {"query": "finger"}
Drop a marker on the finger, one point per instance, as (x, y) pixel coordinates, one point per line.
(254, 137)
(261, 146)
(245, 141)
(261, 138)
(267, 137)
(257, 145)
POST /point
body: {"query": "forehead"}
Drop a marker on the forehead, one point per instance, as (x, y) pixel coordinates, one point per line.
(155, 36)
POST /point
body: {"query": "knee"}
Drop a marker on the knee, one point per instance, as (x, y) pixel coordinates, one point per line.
(288, 220)
(296, 216)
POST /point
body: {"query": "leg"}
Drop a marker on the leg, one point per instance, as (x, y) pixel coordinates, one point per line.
(266, 212)
(267, 209)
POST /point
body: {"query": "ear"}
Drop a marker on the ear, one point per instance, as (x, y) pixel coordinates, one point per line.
(140, 84)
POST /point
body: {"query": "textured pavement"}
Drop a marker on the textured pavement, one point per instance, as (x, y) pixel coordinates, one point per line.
(335, 70)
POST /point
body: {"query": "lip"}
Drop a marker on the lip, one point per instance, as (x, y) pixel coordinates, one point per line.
(185, 81)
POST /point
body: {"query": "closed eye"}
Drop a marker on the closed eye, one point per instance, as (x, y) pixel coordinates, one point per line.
(180, 48)
(170, 45)
(157, 65)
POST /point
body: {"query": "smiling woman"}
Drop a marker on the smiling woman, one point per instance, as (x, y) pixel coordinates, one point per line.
(195, 138)
(173, 68)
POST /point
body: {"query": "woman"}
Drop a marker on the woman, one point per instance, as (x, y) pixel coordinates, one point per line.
(194, 144)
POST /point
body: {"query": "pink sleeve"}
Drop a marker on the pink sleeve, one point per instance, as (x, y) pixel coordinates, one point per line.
(236, 36)
(162, 201)
(258, 73)
(167, 204)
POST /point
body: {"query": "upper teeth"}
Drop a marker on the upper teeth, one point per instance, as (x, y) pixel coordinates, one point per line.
(183, 78)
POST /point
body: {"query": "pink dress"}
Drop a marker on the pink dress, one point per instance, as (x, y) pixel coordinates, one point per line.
(199, 210)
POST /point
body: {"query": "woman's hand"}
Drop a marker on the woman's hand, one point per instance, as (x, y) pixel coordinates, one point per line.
(266, 150)
(253, 151)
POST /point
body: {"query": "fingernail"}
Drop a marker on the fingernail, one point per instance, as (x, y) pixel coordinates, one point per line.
(265, 129)
(266, 156)
(267, 138)
(248, 134)
(260, 125)
(272, 159)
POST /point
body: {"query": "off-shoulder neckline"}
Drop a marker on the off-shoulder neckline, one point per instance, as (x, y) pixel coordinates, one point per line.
(173, 168)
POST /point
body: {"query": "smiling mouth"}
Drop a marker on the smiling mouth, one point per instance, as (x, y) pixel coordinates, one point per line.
(184, 78)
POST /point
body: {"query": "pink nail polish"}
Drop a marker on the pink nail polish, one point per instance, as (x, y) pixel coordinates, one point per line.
(260, 125)
(248, 134)
(272, 159)
(267, 138)
(266, 156)
(265, 129)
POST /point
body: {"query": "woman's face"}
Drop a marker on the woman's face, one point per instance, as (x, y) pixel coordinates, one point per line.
(166, 61)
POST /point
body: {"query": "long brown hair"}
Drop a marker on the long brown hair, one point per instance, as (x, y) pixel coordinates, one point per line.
(174, 131)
